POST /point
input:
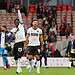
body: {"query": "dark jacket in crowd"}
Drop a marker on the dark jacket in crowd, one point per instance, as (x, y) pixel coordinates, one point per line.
(57, 53)
(9, 37)
(70, 46)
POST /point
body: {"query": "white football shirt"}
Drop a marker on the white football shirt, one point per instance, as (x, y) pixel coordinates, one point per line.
(34, 36)
(20, 34)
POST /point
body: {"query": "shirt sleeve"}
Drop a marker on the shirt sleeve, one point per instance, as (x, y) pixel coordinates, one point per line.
(40, 31)
(13, 30)
(28, 31)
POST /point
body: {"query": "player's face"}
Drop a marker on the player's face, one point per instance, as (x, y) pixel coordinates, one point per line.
(35, 23)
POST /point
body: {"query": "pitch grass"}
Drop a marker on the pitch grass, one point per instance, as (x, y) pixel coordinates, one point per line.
(44, 71)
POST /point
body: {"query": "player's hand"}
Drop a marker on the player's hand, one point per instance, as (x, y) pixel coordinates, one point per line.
(17, 6)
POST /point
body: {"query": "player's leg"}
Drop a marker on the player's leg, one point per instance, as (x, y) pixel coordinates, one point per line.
(5, 62)
(41, 55)
(38, 59)
(30, 63)
(30, 58)
(38, 63)
(5, 54)
(1, 54)
(4, 57)
(18, 48)
(45, 58)
(15, 51)
(20, 54)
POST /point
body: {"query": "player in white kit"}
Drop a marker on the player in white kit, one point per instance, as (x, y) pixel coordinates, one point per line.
(34, 36)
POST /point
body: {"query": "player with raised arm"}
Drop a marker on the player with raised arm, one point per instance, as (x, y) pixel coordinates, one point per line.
(19, 33)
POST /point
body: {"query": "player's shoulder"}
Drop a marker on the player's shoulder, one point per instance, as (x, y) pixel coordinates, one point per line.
(29, 28)
(39, 29)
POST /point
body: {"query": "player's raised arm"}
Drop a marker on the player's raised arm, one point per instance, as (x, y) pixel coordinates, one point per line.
(17, 8)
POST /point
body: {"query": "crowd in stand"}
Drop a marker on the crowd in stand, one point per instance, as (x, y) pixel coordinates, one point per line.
(48, 15)
(40, 40)
(47, 22)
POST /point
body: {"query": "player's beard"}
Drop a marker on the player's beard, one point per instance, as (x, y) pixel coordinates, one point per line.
(34, 27)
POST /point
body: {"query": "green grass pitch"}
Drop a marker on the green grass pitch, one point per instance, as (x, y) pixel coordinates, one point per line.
(44, 71)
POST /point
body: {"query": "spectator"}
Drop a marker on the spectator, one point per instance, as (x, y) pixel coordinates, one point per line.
(57, 53)
(52, 38)
(62, 30)
(71, 46)
(68, 30)
(46, 12)
(45, 50)
(40, 10)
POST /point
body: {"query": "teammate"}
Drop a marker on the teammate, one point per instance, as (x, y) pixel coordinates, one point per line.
(34, 36)
(19, 33)
(3, 50)
(19, 43)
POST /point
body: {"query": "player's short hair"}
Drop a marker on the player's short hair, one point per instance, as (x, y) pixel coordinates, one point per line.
(34, 19)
